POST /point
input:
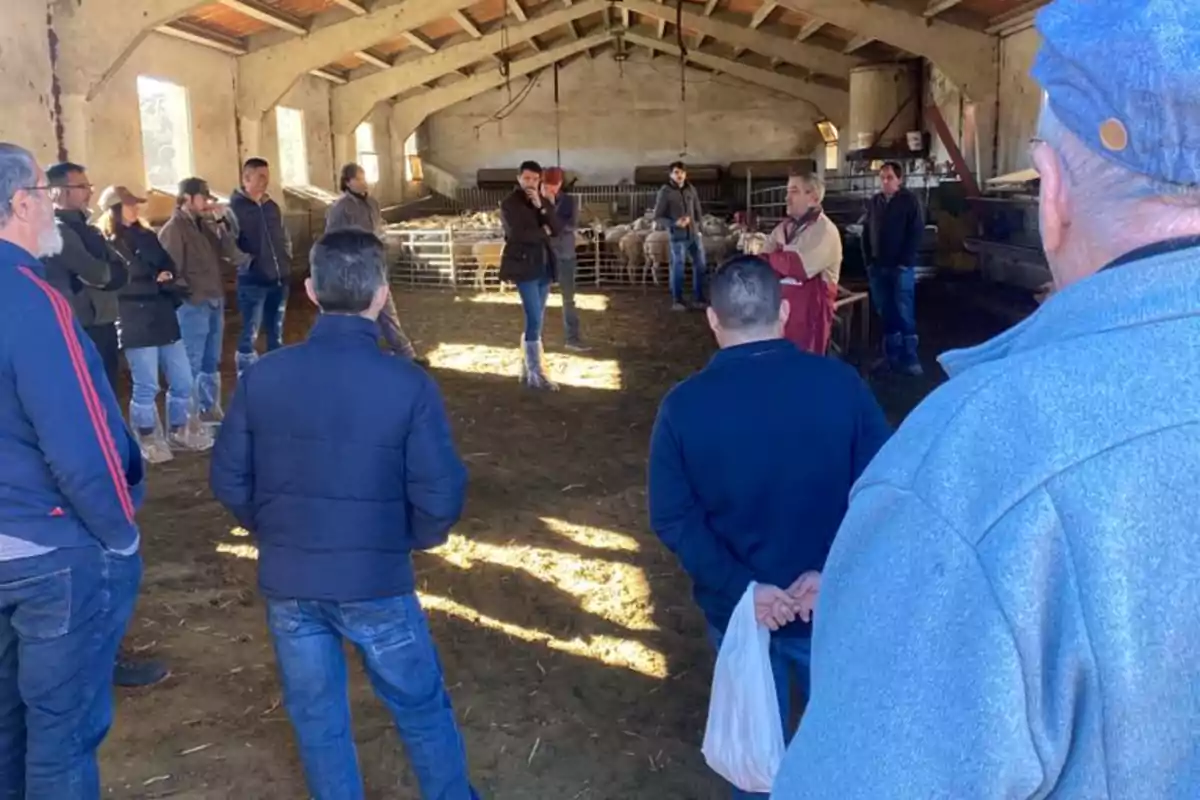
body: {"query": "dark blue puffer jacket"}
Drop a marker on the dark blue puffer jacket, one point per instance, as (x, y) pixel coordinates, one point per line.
(262, 236)
(339, 460)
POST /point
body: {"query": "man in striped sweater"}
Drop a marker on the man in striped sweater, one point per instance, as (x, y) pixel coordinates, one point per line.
(72, 478)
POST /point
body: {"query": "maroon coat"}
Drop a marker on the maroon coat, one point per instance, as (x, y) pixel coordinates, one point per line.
(811, 299)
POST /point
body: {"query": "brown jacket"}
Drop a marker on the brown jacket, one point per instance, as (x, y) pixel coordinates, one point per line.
(202, 250)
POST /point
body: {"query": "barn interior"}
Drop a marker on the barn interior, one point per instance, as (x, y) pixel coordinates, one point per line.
(577, 664)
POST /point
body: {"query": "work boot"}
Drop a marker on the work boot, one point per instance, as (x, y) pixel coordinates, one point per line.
(130, 673)
(533, 372)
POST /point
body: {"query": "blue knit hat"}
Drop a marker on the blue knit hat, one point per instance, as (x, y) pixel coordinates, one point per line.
(1124, 77)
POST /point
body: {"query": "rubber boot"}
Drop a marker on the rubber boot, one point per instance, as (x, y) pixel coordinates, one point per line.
(910, 360)
(244, 361)
(215, 414)
(534, 371)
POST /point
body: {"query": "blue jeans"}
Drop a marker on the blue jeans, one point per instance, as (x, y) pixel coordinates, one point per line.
(397, 650)
(62, 617)
(144, 364)
(568, 265)
(261, 307)
(680, 249)
(894, 298)
(534, 295)
(202, 326)
(790, 660)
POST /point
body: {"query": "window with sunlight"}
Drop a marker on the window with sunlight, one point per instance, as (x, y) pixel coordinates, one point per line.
(293, 154)
(166, 132)
(831, 156)
(368, 158)
(412, 159)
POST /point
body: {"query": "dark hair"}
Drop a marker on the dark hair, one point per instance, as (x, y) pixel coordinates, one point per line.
(745, 293)
(895, 166)
(677, 165)
(255, 163)
(530, 166)
(60, 174)
(348, 267)
(348, 173)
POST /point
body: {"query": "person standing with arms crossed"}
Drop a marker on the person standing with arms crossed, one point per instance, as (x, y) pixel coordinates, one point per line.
(566, 208)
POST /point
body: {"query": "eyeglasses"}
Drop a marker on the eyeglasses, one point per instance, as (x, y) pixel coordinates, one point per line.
(45, 188)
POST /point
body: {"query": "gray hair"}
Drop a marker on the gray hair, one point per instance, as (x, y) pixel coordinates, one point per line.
(18, 171)
(745, 294)
(814, 184)
(348, 268)
(1105, 183)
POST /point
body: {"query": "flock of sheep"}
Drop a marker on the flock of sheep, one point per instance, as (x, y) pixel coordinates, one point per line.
(640, 252)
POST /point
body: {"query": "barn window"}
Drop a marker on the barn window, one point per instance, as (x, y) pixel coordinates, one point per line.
(166, 132)
(831, 156)
(412, 159)
(368, 158)
(293, 154)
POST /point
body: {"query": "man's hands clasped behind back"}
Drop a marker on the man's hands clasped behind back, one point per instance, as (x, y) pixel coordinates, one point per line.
(775, 607)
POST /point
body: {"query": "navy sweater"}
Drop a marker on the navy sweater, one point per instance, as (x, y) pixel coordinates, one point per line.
(339, 460)
(751, 465)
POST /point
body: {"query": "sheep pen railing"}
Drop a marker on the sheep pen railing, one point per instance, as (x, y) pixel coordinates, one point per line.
(468, 258)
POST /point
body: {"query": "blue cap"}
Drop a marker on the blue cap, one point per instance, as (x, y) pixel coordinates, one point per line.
(1124, 77)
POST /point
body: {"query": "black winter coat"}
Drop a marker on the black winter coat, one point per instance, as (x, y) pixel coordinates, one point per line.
(528, 255)
(147, 306)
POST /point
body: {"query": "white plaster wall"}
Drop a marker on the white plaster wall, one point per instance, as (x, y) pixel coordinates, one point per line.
(1020, 100)
(26, 79)
(613, 122)
(114, 143)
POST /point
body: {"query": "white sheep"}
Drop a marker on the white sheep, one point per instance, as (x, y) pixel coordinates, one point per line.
(632, 256)
(487, 255)
(658, 254)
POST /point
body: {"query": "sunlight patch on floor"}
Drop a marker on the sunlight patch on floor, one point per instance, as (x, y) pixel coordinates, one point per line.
(587, 536)
(565, 369)
(625, 653)
(247, 551)
(583, 302)
(611, 590)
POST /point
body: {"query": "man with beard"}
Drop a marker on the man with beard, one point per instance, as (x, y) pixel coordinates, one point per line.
(69, 562)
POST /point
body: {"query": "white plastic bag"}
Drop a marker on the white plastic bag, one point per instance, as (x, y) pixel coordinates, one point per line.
(743, 741)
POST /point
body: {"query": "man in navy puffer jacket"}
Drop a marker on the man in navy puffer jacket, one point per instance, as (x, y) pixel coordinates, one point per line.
(338, 489)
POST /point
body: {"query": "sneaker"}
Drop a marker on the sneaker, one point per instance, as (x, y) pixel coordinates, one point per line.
(132, 674)
(678, 307)
(576, 346)
(699, 305)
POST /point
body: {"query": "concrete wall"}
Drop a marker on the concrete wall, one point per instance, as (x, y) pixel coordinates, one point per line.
(114, 147)
(25, 91)
(612, 123)
(1020, 100)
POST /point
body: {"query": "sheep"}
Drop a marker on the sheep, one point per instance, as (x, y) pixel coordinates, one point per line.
(487, 256)
(631, 245)
(658, 253)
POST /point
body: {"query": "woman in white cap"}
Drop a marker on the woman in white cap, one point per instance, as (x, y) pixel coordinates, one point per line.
(149, 331)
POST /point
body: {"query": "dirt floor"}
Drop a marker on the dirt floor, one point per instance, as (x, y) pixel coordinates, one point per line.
(575, 657)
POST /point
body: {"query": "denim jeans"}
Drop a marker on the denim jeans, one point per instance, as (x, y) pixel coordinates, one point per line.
(144, 364)
(567, 267)
(534, 295)
(680, 249)
(261, 307)
(62, 616)
(202, 326)
(790, 661)
(393, 333)
(392, 637)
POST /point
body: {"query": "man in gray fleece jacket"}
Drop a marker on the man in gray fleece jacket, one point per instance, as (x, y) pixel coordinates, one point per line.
(677, 211)
(357, 209)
